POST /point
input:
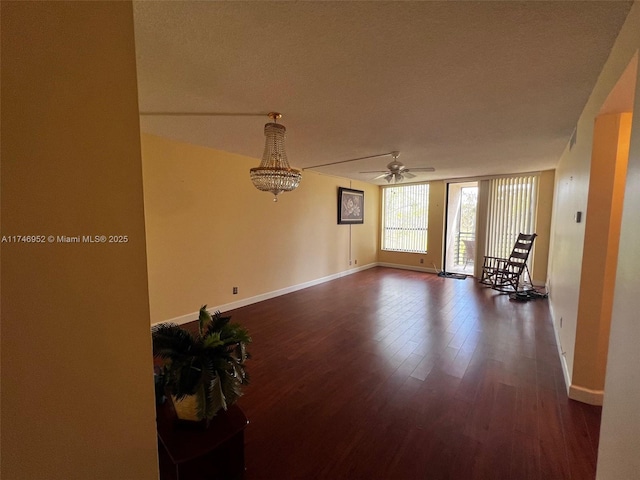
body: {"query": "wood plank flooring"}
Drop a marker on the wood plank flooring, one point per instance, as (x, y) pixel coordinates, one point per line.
(393, 374)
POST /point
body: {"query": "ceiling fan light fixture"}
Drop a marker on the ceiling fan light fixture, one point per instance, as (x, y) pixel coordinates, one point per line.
(274, 173)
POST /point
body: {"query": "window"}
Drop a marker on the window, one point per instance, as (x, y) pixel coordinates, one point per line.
(512, 210)
(405, 216)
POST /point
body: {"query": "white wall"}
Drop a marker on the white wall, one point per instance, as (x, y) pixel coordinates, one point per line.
(572, 188)
(618, 457)
(619, 452)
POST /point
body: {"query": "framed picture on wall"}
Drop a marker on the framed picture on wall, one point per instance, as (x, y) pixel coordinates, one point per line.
(350, 206)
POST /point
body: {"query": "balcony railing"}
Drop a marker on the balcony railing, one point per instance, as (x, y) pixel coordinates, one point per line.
(464, 248)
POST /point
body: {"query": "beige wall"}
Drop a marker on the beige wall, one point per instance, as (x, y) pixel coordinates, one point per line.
(77, 384)
(209, 229)
(540, 258)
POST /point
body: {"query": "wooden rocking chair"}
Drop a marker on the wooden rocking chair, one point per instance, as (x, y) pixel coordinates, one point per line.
(506, 274)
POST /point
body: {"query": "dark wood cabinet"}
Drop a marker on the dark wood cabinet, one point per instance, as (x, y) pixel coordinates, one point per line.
(193, 452)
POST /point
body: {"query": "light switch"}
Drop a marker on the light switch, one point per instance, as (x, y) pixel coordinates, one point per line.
(578, 217)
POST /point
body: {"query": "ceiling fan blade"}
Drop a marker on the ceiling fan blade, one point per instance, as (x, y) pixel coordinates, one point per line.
(375, 171)
(380, 176)
(407, 174)
(423, 169)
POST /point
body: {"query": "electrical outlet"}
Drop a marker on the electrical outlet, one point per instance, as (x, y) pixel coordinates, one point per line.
(422, 260)
(355, 262)
(235, 290)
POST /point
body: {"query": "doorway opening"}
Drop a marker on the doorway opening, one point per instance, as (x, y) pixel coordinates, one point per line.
(460, 241)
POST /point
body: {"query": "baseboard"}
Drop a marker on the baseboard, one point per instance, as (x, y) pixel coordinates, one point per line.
(190, 317)
(574, 392)
(565, 367)
(586, 395)
(407, 267)
(561, 354)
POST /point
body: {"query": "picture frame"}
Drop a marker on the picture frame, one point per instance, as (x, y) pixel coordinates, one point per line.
(350, 206)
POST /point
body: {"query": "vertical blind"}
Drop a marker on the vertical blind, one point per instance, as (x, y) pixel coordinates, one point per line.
(405, 215)
(512, 210)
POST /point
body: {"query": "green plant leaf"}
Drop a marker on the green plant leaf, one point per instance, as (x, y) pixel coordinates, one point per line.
(188, 377)
(209, 365)
(234, 333)
(212, 340)
(231, 386)
(218, 322)
(171, 341)
(217, 396)
(204, 319)
(201, 403)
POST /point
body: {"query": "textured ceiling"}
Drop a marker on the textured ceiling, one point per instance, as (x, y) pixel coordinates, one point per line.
(469, 88)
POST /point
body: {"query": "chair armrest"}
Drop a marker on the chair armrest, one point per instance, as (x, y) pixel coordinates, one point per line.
(495, 262)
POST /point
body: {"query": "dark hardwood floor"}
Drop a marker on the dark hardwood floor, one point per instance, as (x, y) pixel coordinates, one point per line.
(393, 374)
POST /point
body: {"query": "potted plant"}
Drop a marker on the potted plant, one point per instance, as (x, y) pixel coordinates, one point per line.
(203, 372)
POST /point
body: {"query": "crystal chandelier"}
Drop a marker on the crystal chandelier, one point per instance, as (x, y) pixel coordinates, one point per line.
(274, 173)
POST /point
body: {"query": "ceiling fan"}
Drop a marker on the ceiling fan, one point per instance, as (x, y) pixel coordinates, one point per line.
(396, 171)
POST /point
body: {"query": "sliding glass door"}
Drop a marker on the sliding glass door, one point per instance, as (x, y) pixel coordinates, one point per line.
(460, 241)
(485, 217)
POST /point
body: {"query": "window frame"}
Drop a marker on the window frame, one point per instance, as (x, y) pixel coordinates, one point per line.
(387, 243)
